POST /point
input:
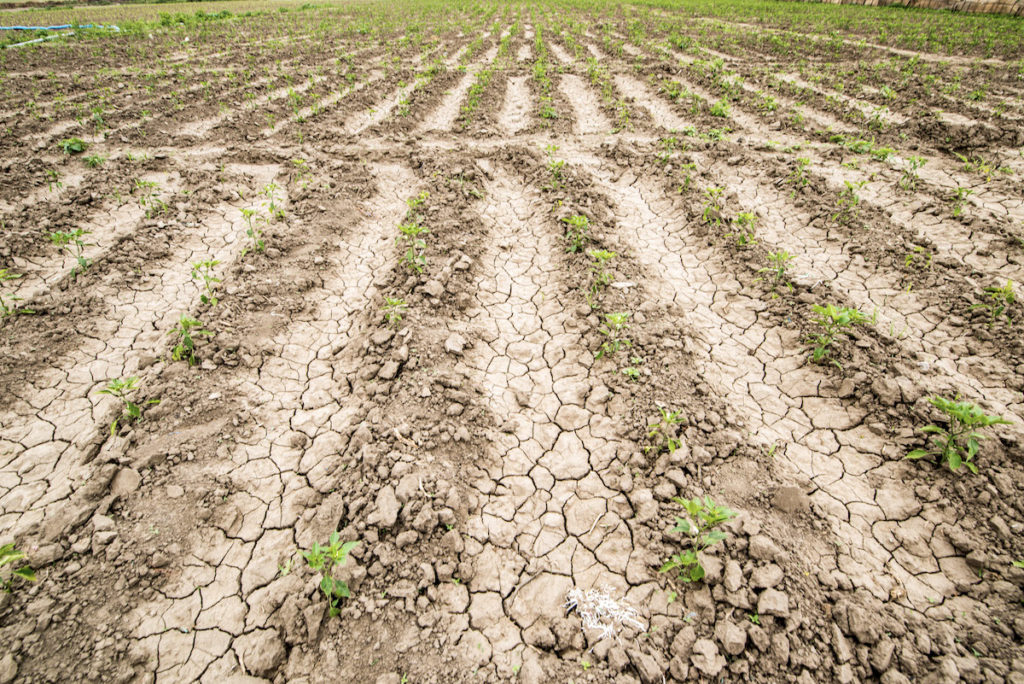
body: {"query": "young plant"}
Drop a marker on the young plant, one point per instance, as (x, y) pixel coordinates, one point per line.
(1000, 301)
(555, 167)
(203, 271)
(73, 145)
(745, 234)
(393, 310)
(601, 277)
(848, 203)
(632, 372)
(253, 231)
(919, 258)
(53, 180)
(835, 322)
(614, 330)
(713, 206)
(94, 160)
(959, 199)
(120, 389)
(778, 264)
(411, 236)
(578, 232)
(323, 559)
(704, 517)
(957, 444)
(798, 176)
(184, 332)
(910, 178)
(720, 109)
(7, 306)
(73, 243)
(664, 435)
(8, 557)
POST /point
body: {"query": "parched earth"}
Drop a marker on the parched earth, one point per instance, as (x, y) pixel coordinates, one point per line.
(483, 450)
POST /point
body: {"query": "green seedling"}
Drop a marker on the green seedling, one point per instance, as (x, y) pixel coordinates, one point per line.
(745, 221)
(73, 243)
(848, 203)
(720, 109)
(578, 232)
(957, 444)
(713, 206)
(94, 160)
(394, 308)
(73, 145)
(778, 264)
(203, 271)
(798, 177)
(704, 517)
(602, 277)
(411, 236)
(614, 329)
(1000, 301)
(835, 322)
(184, 332)
(9, 556)
(919, 258)
(253, 231)
(270, 192)
(53, 180)
(323, 559)
(910, 177)
(664, 434)
(120, 389)
(959, 199)
(7, 300)
(555, 167)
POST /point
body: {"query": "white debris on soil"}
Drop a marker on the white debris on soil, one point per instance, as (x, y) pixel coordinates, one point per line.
(602, 613)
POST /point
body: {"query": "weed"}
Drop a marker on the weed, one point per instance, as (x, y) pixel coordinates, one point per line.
(704, 517)
(73, 145)
(393, 310)
(73, 243)
(578, 232)
(185, 346)
(614, 330)
(778, 264)
(120, 389)
(957, 444)
(664, 434)
(94, 160)
(1000, 300)
(754, 618)
(7, 306)
(720, 109)
(10, 556)
(835, 322)
(323, 559)
(203, 270)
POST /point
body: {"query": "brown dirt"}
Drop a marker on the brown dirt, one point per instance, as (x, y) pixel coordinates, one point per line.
(483, 451)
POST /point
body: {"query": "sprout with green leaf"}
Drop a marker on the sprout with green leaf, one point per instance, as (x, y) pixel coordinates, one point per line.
(957, 444)
(704, 517)
(323, 559)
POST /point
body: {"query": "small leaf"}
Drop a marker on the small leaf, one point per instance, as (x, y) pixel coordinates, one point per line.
(917, 453)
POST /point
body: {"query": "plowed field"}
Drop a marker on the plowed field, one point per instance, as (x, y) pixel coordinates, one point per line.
(496, 290)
